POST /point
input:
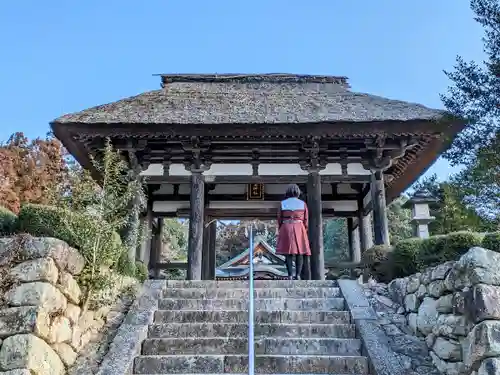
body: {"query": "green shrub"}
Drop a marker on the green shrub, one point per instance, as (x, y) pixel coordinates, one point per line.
(8, 221)
(378, 260)
(413, 255)
(491, 241)
(76, 229)
(458, 243)
(125, 266)
(141, 271)
(431, 251)
(405, 257)
(443, 248)
(136, 269)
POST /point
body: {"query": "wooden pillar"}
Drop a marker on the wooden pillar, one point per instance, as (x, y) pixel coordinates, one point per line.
(209, 237)
(144, 250)
(350, 239)
(306, 266)
(152, 247)
(356, 245)
(380, 222)
(315, 226)
(365, 231)
(205, 270)
(212, 249)
(195, 248)
(158, 246)
(306, 269)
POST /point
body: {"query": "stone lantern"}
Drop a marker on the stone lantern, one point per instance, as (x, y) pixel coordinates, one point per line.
(421, 217)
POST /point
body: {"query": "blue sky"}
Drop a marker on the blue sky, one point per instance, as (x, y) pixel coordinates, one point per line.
(64, 56)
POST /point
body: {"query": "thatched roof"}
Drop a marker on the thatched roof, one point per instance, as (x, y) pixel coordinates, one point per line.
(247, 99)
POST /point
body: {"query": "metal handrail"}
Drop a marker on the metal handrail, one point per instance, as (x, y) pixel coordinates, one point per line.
(251, 342)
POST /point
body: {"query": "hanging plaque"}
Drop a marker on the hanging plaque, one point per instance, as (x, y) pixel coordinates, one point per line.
(255, 192)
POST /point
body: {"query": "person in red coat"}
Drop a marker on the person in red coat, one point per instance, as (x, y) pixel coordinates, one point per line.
(293, 241)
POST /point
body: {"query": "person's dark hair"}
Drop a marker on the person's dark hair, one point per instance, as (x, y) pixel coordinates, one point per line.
(292, 191)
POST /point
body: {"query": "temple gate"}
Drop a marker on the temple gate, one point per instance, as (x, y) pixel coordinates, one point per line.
(226, 146)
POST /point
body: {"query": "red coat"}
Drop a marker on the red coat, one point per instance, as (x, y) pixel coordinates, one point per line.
(292, 224)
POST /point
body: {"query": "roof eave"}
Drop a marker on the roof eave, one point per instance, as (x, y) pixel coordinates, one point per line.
(456, 125)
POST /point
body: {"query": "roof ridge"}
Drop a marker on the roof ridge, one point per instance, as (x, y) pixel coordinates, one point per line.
(253, 77)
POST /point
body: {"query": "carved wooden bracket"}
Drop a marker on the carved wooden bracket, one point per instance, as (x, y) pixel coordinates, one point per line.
(197, 158)
(380, 158)
(312, 161)
(344, 161)
(255, 162)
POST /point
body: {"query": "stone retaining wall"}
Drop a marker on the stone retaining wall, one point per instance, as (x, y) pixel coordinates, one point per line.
(42, 326)
(456, 307)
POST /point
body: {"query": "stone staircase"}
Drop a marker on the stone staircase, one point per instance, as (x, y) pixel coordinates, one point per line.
(301, 327)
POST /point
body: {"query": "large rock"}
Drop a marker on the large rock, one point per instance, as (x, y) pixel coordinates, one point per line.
(24, 319)
(448, 368)
(482, 302)
(449, 350)
(452, 326)
(482, 342)
(43, 269)
(421, 292)
(490, 366)
(439, 272)
(413, 283)
(412, 322)
(436, 288)
(397, 290)
(480, 266)
(427, 315)
(458, 303)
(60, 330)
(86, 320)
(37, 294)
(65, 257)
(83, 330)
(444, 304)
(72, 312)
(449, 280)
(5, 245)
(426, 276)
(66, 353)
(411, 303)
(69, 287)
(31, 353)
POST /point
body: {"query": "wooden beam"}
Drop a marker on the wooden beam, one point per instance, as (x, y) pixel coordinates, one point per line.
(259, 179)
(238, 213)
(172, 266)
(243, 197)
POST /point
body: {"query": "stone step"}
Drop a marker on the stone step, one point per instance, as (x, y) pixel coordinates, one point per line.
(257, 284)
(241, 330)
(264, 364)
(273, 346)
(214, 293)
(241, 316)
(324, 304)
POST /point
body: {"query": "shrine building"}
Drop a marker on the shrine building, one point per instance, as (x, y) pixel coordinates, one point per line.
(267, 264)
(225, 146)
